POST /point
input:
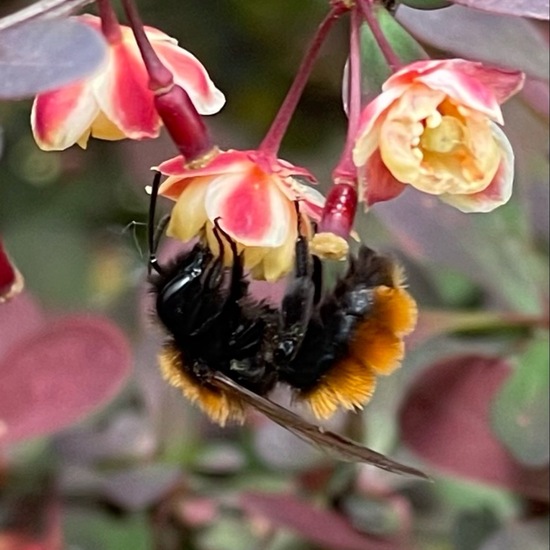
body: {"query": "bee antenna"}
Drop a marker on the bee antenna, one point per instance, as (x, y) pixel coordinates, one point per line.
(153, 234)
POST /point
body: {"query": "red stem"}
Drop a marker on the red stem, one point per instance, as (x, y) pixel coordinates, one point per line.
(345, 171)
(109, 22)
(387, 51)
(275, 134)
(160, 78)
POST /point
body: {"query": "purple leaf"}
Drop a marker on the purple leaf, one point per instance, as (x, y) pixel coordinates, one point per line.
(445, 420)
(521, 8)
(482, 36)
(46, 54)
(57, 375)
(323, 527)
(141, 487)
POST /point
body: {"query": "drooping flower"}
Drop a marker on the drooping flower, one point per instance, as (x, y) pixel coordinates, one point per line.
(434, 127)
(254, 198)
(115, 102)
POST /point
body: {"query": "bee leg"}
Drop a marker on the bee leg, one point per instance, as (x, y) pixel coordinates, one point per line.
(237, 284)
(298, 301)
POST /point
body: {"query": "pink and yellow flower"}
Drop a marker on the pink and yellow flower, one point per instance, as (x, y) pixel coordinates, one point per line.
(254, 198)
(115, 102)
(434, 127)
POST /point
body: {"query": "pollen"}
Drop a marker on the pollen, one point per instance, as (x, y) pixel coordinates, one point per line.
(348, 385)
(219, 406)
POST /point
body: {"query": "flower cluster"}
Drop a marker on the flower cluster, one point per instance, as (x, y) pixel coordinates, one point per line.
(433, 127)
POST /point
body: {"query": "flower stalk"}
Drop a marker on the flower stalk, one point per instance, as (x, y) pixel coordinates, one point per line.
(366, 8)
(272, 141)
(179, 115)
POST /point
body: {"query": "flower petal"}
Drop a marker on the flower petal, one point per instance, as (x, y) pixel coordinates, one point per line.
(191, 75)
(376, 183)
(189, 215)
(498, 192)
(61, 117)
(368, 131)
(226, 162)
(277, 261)
(123, 95)
(465, 90)
(504, 83)
(11, 281)
(251, 207)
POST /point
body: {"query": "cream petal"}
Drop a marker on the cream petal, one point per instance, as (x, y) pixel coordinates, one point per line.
(62, 117)
(251, 207)
(369, 124)
(188, 216)
(498, 192)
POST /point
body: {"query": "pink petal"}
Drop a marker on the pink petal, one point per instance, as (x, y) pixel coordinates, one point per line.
(464, 90)
(123, 95)
(225, 162)
(251, 207)
(191, 75)
(498, 192)
(376, 183)
(62, 117)
(504, 83)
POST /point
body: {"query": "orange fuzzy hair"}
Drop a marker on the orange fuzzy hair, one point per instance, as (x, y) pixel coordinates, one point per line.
(218, 405)
(376, 348)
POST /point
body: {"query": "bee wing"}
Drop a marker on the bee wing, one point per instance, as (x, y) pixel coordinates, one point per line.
(340, 447)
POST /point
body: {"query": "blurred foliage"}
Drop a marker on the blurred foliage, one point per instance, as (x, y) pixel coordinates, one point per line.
(149, 471)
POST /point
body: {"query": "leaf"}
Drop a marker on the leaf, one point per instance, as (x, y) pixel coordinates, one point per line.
(45, 54)
(19, 318)
(532, 535)
(485, 247)
(140, 487)
(445, 420)
(59, 374)
(92, 530)
(520, 412)
(374, 67)
(478, 35)
(323, 527)
(538, 9)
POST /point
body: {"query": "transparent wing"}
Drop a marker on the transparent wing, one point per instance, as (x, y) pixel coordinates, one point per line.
(336, 445)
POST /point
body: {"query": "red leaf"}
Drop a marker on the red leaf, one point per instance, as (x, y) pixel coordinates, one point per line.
(521, 8)
(59, 374)
(11, 281)
(323, 527)
(445, 420)
(19, 318)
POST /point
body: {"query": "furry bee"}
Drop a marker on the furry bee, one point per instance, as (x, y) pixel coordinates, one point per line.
(226, 350)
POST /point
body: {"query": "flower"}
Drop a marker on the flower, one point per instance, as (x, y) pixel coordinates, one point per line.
(254, 198)
(433, 127)
(115, 102)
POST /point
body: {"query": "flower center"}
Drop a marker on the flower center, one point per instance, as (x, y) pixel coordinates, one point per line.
(442, 134)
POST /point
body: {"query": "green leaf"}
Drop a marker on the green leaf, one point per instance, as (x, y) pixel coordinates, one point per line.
(89, 530)
(520, 412)
(374, 68)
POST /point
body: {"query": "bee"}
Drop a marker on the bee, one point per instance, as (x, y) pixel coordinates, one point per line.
(226, 351)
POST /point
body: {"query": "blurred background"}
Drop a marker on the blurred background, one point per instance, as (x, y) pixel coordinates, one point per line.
(105, 455)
